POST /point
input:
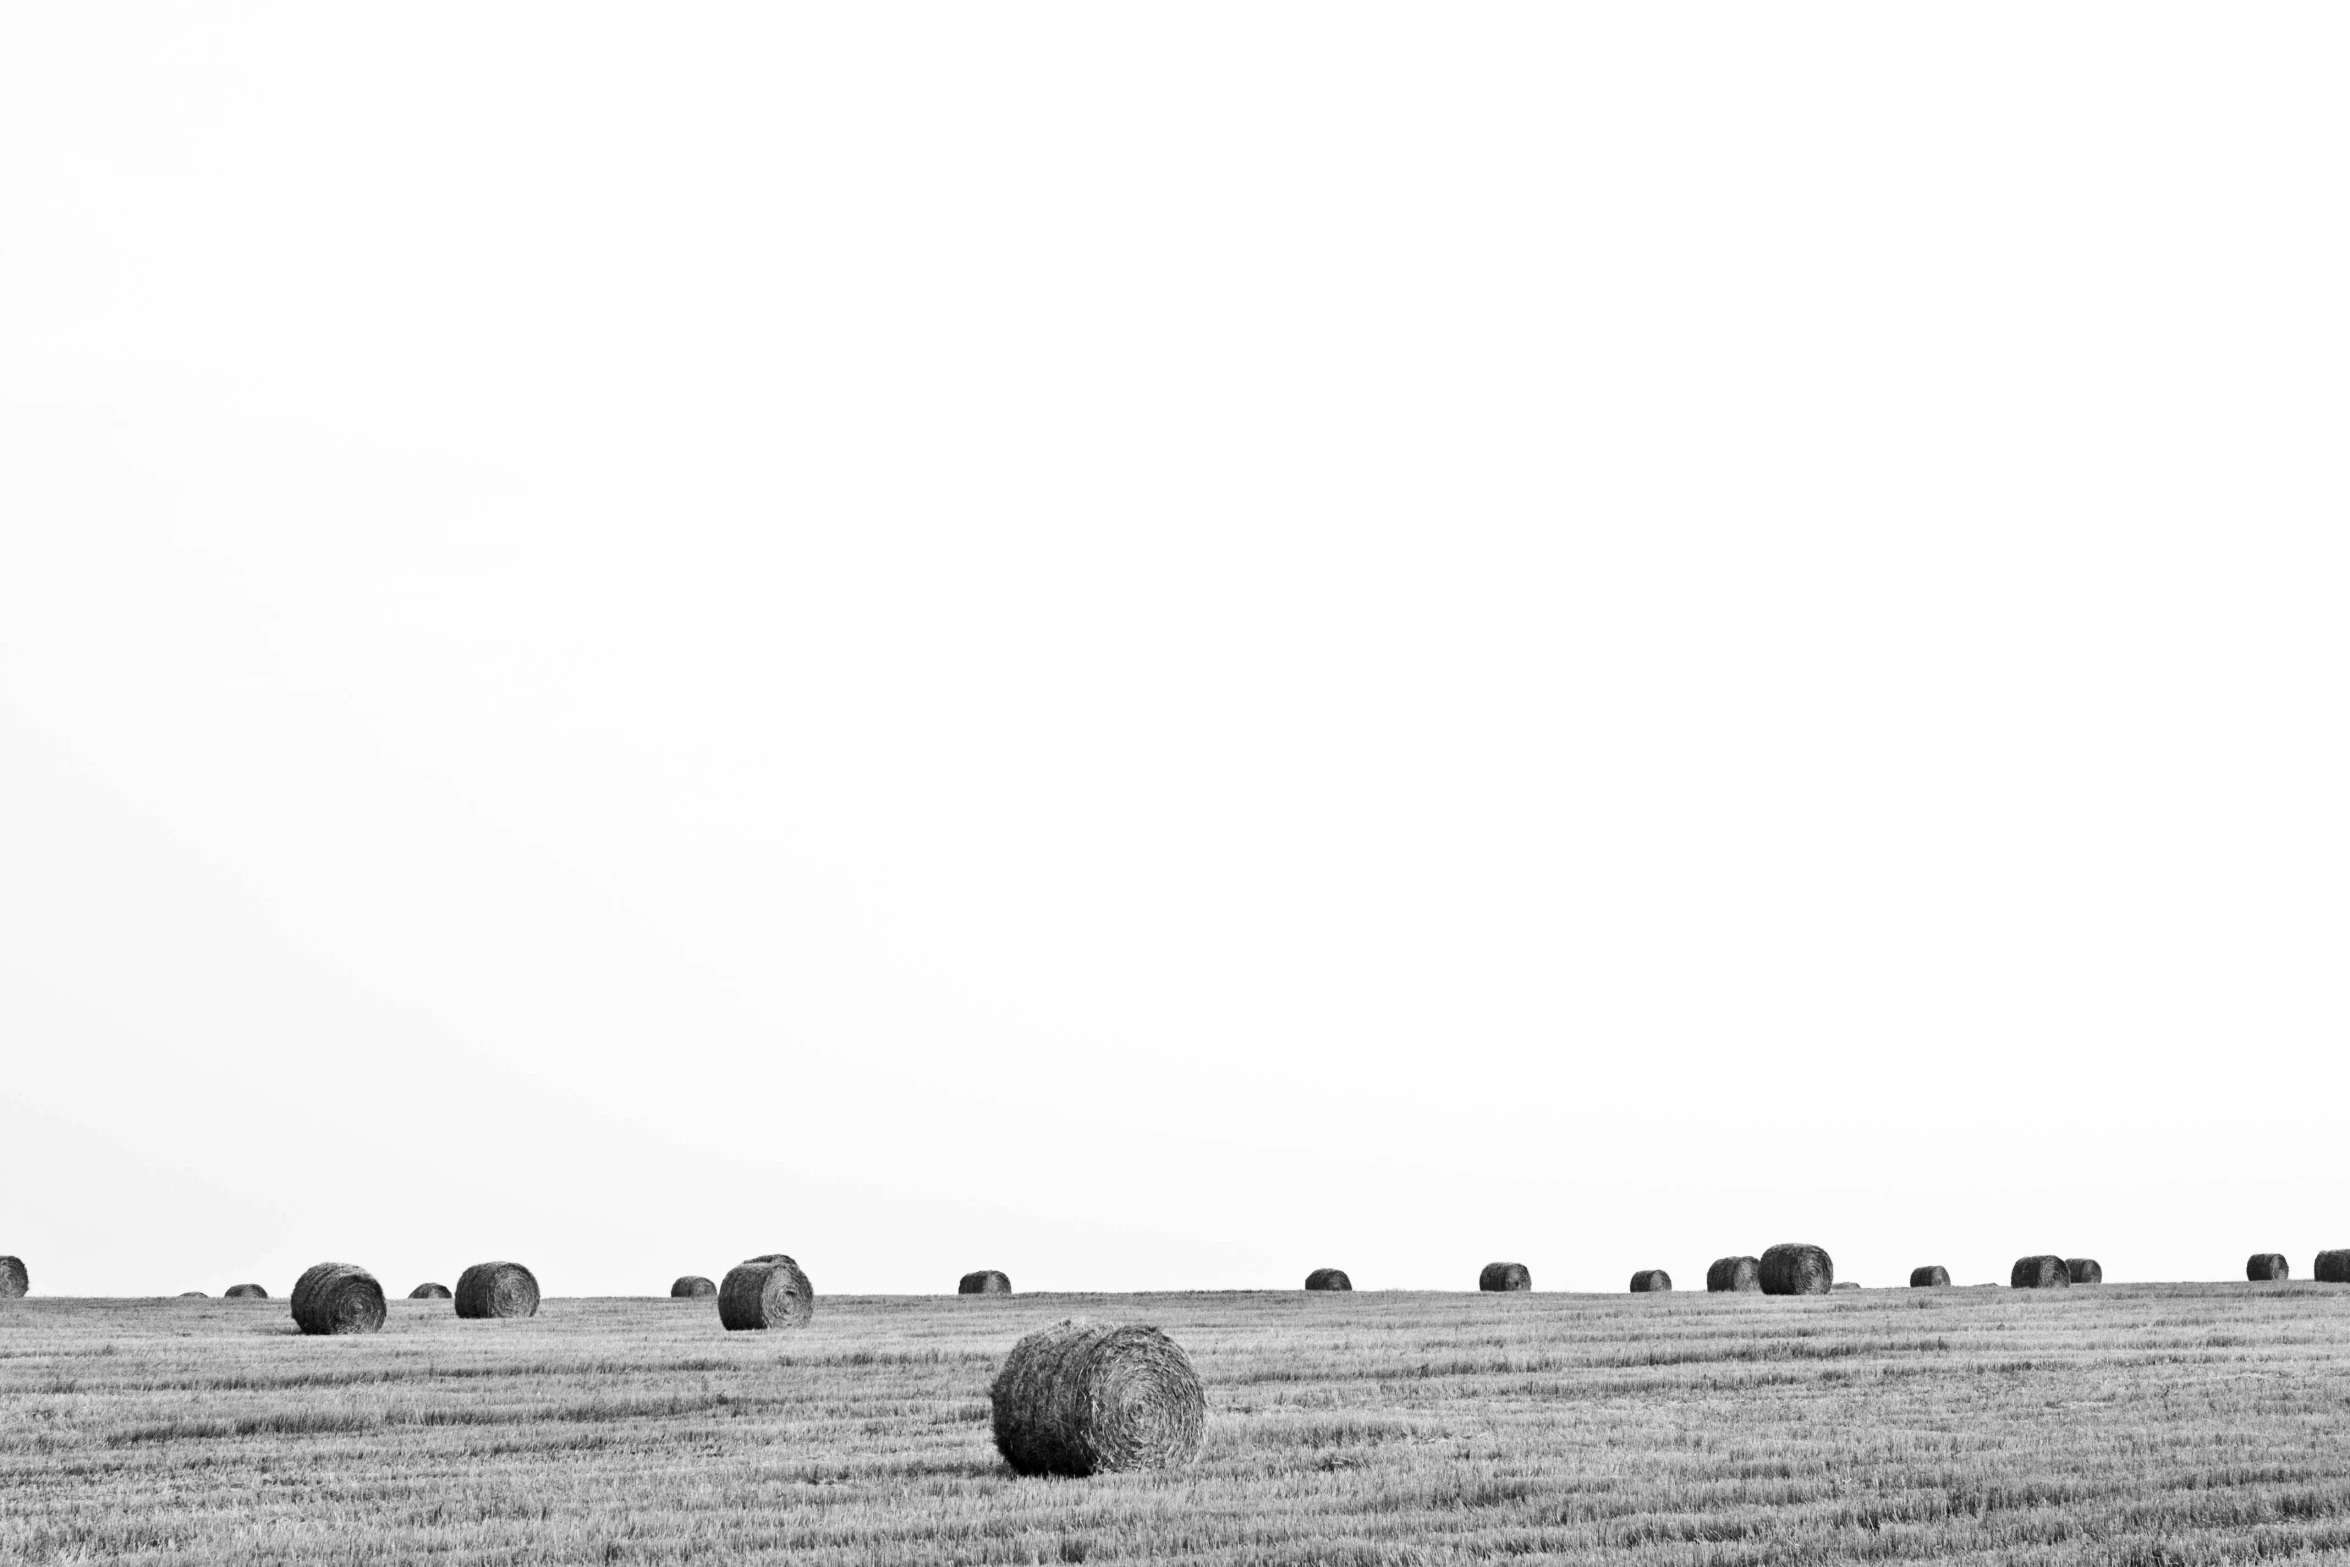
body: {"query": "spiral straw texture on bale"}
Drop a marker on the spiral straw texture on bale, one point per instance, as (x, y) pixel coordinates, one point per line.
(497, 1289)
(1797, 1269)
(2333, 1267)
(1734, 1275)
(429, 1292)
(1651, 1281)
(984, 1281)
(692, 1286)
(244, 1292)
(1935, 1277)
(2043, 1272)
(1329, 1279)
(766, 1292)
(2263, 1266)
(14, 1281)
(1080, 1398)
(1505, 1277)
(338, 1297)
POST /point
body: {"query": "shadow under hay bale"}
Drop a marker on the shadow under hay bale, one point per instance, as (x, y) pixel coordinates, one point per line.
(338, 1297)
(1505, 1277)
(1651, 1281)
(2333, 1267)
(2083, 1270)
(2265, 1266)
(984, 1281)
(14, 1281)
(1796, 1269)
(766, 1292)
(244, 1292)
(692, 1286)
(1329, 1279)
(1080, 1398)
(497, 1289)
(1734, 1276)
(1935, 1277)
(429, 1292)
(2043, 1272)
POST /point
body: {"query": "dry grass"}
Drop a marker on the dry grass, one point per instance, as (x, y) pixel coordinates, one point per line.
(2132, 1424)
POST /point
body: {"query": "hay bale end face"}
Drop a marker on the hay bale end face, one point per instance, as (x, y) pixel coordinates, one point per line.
(1079, 1398)
(1505, 1277)
(1797, 1269)
(1734, 1276)
(2043, 1272)
(2266, 1266)
(244, 1292)
(2333, 1267)
(429, 1292)
(1329, 1279)
(338, 1297)
(766, 1292)
(1651, 1281)
(985, 1281)
(497, 1289)
(14, 1281)
(1929, 1278)
(2084, 1270)
(692, 1286)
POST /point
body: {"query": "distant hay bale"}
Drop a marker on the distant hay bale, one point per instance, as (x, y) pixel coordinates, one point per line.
(2038, 1273)
(1734, 1275)
(1329, 1279)
(429, 1292)
(194, 1295)
(1651, 1281)
(2265, 1266)
(1797, 1269)
(1505, 1277)
(338, 1297)
(497, 1289)
(766, 1292)
(1080, 1398)
(692, 1286)
(14, 1281)
(985, 1281)
(2333, 1267)
(2084, 1270)
(244, 1292)
(1935, 1277)
(1847, 1284)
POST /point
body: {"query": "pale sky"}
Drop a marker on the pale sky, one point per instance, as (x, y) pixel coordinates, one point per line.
(1157, 652)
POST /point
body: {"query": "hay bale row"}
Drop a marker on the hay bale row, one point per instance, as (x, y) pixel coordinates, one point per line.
(497, 1289)
(1329, 1279)
(2333, 1267)
(1505, 1277)
(1079, 1398)
(338, 1297)
(245, 1292)
(1933, 1277)
(692, 1286)
(1734, 1276)
(985, 1281)
(14, 1281)
(429, 1292)
(2044, 1272)
(1797, 1269)
(1651, 1281)
(766, 1292)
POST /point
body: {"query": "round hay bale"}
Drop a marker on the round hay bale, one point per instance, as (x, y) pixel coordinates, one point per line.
(1329, 1279)
(429, 1292)
(1929, 1278)
(194, 1295)
(2333, 1267)
(14, 1281)
(1734, 1275)
(986, 1281)
(1505, 1277)
(1847, 1284)
(2038, 1273)
(766, 1292)
(338, 1297)
(2084, 1270)
(2264, 1266)
(244, 1292)
(1078, 1398)
(1793, 1268)
(1651, 1281)
(497, 1289)
(692, 1286)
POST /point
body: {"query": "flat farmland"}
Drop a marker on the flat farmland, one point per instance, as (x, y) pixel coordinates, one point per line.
(2115, 1423)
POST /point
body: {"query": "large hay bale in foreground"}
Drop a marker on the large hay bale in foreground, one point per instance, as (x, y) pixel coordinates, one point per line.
(692, 1286)
(1933, 1277)
(1651, 1281)
(1734, 1275)
(2083, 1270)
(14, 1281)
(1079, 1398)
(429, 1292)
(338, 1297)
(1797, 1269)
(766, 1292)
(2043, 1272)
(1329, 1279)
(2264, 1266)
(984, 1281)
(2333, 1267)
(244, 1292)
(1505, 1277)
(497, 1289)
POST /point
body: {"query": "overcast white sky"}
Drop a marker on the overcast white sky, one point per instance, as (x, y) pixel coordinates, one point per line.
(1162, 650)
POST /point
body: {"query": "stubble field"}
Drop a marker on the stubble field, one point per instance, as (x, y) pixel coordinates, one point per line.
(2117, 1423)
